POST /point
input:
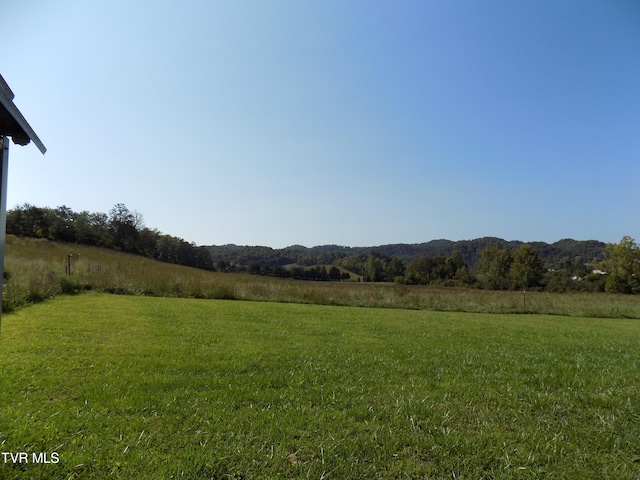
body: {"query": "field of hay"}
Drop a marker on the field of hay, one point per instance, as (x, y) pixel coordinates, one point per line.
(37, 270)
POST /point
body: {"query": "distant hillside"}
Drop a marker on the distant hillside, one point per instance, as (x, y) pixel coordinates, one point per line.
(124, 230)
(558, 255)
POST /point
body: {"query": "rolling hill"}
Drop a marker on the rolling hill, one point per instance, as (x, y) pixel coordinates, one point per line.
(561, 254)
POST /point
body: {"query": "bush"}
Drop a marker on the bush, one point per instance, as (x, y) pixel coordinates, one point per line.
(69, 286)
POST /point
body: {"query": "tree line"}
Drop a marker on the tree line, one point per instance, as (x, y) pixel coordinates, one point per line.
(120, 229)
(497, 268)
(567, 254)
(489, 262)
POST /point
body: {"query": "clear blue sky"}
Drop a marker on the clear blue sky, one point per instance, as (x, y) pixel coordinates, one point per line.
(351, 122)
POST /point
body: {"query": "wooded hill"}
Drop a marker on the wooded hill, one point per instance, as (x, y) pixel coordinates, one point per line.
(487, 262)
(564, 254)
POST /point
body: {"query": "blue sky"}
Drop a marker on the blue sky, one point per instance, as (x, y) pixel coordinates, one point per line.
(357, 123)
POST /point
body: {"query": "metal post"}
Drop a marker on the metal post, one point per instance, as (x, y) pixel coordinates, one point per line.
(4, 166)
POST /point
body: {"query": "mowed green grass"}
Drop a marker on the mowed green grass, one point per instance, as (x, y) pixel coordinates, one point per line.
(140, 387)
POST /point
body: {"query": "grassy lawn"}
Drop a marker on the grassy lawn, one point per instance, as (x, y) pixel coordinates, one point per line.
(141, 387)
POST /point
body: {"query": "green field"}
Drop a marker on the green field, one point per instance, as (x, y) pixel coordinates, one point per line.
(139, 387)
(36, 270)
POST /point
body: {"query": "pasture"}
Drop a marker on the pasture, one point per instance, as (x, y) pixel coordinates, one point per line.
(36, 270)
(140, 387)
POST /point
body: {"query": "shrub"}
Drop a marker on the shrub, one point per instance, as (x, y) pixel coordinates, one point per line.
(69, 286)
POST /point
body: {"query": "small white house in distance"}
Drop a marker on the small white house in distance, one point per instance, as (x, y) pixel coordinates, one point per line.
(594, 272)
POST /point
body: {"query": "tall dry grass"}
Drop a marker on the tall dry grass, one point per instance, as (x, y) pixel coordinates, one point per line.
(37, 270)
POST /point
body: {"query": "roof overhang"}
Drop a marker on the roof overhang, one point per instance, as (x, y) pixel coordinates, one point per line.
(12, 123)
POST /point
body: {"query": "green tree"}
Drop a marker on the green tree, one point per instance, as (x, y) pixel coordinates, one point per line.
(63, 224)
(622, 264)
(495, 264)
(395, 268)
(147, 242)
(334, 273)
(30, 221)
(222, 266)
(166, 249)
(99, 222)
(374, 268)
(422, 270)
(124, 227)
(456, 268)
(526, 271)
